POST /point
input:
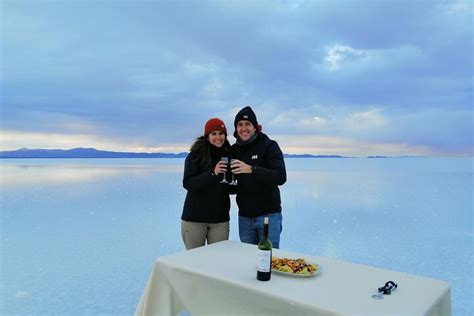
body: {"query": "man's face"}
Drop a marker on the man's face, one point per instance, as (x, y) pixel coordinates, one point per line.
(245, 130)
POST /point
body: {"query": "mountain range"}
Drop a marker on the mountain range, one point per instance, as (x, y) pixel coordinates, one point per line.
(82, 153)
(94, 153)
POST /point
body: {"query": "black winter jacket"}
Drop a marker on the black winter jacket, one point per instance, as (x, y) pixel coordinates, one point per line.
(257, 192)
(207, 200)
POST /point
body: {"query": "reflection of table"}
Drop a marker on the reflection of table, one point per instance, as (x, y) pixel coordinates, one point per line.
(221, 279)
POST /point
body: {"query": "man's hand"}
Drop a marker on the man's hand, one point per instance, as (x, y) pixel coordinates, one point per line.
(239, 167)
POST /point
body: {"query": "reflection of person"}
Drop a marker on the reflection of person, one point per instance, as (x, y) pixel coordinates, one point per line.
(207, 204)
(260, 169)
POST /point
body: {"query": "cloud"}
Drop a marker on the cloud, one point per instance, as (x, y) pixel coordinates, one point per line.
(368, 120)
(458, 7)
(329, 145)
(330, 119)
(21, 294)
(424, 130)
(149, 74)
(340, 54)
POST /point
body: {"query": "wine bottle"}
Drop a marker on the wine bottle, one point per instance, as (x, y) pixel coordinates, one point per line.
(264, 264)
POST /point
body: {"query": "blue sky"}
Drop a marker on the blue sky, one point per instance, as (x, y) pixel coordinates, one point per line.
(324, 77)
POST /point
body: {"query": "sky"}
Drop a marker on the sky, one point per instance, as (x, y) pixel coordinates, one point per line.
(352, 78)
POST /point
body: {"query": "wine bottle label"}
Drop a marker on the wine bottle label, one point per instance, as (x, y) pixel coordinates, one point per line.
(264, 260)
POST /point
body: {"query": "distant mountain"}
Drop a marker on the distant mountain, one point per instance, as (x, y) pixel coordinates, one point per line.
(94, 153)
(83, 153)
(311, 156)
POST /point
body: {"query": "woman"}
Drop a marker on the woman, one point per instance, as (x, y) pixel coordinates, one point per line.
(206, 208)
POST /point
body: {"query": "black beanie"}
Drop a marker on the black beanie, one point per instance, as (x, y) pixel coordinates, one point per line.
(246, 114)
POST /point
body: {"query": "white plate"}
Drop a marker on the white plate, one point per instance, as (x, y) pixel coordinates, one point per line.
(318, 271)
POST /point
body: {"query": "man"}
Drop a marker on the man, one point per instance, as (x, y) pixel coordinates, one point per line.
(258, 162)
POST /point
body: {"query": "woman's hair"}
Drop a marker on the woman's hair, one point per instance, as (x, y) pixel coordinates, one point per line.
(202, 148)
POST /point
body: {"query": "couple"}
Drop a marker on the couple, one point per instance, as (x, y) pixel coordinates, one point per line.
(259, 167)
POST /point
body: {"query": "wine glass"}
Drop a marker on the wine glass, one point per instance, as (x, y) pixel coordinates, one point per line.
(226, 161)
(232, 182)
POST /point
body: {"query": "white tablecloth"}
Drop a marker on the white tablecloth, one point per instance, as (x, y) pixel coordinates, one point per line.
(221, 279)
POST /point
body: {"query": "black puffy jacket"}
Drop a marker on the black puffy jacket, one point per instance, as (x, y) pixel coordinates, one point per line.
(257, 192)
(207, 200)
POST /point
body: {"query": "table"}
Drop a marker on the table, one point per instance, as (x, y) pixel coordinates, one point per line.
(220, 279)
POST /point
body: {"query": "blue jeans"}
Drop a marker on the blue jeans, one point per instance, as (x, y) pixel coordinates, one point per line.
(251, 229)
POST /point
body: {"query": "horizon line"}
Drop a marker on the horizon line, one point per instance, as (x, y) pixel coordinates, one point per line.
(186, 152)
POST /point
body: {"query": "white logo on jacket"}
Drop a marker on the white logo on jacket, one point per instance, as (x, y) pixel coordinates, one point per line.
(254, 156)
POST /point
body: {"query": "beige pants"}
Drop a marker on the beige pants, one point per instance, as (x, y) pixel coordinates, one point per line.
(195, 234)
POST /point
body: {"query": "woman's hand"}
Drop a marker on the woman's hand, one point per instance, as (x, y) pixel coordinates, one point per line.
(239, 167)
(221, 167)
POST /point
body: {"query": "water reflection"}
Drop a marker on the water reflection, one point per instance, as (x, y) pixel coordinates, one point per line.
(15, 173)
(86, 232)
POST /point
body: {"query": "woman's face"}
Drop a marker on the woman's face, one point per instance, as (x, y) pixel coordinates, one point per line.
(245, 130)
(216, 138)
